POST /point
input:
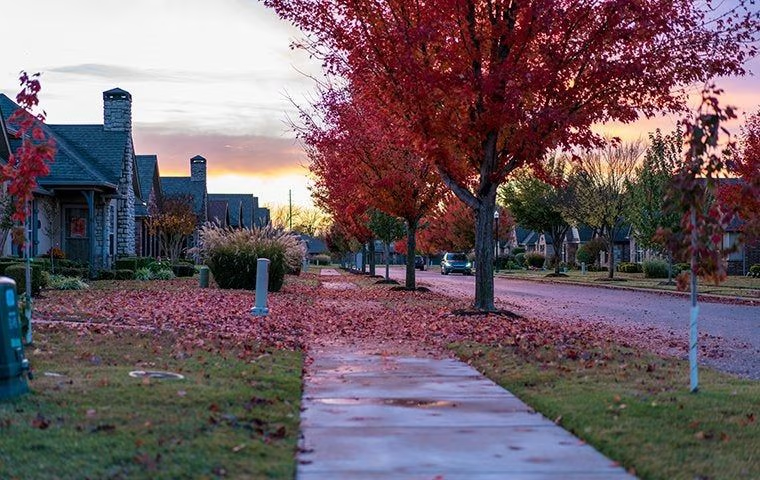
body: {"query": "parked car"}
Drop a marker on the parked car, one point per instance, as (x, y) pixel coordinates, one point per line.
(455, 263)
(419, 262)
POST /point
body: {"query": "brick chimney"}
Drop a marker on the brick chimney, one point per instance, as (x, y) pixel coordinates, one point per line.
(198, 169)
(117, 110)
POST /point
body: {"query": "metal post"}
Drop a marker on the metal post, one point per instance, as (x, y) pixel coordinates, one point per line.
(203, 277)
(583, 268)
(496, 249)
(262, 285)
(28, 291)
(693, 330)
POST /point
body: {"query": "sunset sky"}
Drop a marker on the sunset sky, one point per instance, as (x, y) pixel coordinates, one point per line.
(213, 78)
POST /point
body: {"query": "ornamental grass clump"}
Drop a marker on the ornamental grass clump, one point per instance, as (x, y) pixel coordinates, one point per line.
(60, 282)
(231, 255)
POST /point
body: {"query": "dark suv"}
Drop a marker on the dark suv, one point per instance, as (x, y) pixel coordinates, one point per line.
(455, 263)
(419, 262)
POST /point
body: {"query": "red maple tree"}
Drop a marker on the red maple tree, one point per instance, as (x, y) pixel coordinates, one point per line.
(744, 196)
(488, 86)
(31, 160)
(359, 159)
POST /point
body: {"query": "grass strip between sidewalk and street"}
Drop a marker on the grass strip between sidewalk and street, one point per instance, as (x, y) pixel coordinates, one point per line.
(235, 414)
(637, 409)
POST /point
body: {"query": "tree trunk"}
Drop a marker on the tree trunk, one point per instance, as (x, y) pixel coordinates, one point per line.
(372, 259)
(484, 252)
(411, 248)
(364, 257)
(611, 256)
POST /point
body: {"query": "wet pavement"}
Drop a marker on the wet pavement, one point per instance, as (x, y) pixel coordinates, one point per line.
(368, 415)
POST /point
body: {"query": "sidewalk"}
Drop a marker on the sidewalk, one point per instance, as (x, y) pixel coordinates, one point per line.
(369, 416)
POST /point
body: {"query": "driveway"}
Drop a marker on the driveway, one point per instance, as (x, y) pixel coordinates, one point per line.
(731, 333)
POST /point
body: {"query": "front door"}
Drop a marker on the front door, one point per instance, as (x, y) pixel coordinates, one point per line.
(77, 241)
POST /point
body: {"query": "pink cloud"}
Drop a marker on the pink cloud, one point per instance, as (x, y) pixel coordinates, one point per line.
(248, 154)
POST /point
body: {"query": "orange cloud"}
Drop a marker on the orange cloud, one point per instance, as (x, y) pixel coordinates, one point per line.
(226, 154)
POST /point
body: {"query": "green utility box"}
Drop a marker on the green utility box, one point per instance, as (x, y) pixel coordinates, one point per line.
(13, 366)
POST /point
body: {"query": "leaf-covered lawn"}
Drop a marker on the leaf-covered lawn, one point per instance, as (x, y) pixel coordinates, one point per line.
(532, 355)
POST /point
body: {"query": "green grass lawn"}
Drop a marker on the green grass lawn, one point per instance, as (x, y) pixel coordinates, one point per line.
(638, 411)
(733, 286)
(234, 415)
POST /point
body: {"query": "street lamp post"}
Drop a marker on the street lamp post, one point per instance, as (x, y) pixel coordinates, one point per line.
(496, 249)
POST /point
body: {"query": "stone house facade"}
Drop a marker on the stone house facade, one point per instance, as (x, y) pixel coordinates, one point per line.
(94, 203)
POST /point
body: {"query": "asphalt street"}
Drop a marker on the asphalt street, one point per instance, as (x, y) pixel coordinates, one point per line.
(733, 331)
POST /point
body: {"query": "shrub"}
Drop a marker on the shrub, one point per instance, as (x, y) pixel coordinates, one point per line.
(322, 259)
(143, 274)
(59, 282)
(231, 254)
(157, 266)
(518, 250)
(754, 270)
(73, 272)
(106, 275)
(520, 259)
(535, 260)
(124, 274)
(681, 267)
(628, 267)
(183, 269)
(164, 275)
(655, 268)
(54, 252)
(512, 265)
(7, 263)
(132, 263)
(18, 273)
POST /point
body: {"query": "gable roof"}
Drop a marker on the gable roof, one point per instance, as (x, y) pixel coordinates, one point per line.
(314, 245)
(242, 207)
(177, 186)
(86, 155)
(147, 169)
(218, 212)
(5, 146)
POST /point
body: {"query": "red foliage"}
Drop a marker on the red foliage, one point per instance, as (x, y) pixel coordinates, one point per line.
(482, 88)
(37, 150)
(744, 197)
(327, 310)
(703, 221)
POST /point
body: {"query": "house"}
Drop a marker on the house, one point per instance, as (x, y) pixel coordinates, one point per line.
(86, 205)
(96, 202)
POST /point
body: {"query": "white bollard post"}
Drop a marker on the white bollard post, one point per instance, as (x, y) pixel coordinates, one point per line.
(262, 285)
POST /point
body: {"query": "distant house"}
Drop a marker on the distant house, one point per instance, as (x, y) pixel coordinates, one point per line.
(95, 203)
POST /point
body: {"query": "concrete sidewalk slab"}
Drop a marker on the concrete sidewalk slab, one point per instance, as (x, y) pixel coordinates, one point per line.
(382, 417)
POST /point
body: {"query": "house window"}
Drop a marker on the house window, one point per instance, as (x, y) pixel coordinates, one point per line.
(112, 230)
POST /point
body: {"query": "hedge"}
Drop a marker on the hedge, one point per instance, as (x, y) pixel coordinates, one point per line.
(183, 269)
(73, 272)
(132, 263)
(106, 275)
(655, 269)
(535, 260)
(18, 273)
(124, 274)
(628, 267)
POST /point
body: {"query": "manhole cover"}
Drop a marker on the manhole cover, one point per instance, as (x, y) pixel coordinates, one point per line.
(156, 374)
